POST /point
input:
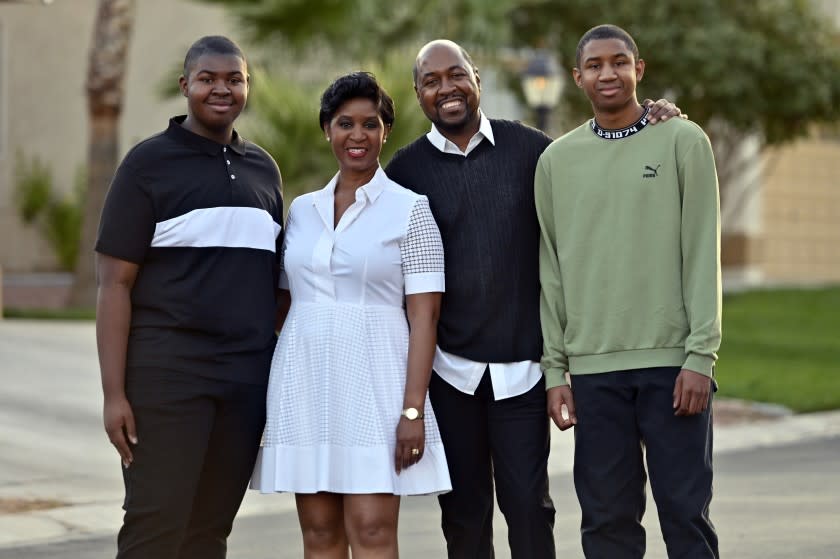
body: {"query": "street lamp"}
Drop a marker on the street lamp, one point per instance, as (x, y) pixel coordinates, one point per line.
(541, 85)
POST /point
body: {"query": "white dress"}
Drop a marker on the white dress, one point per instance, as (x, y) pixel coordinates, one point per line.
(338, 374)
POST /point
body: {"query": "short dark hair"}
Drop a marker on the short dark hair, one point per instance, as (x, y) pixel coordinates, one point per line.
(211, 44)
(356, 85)
(606, 31)
(415, 71)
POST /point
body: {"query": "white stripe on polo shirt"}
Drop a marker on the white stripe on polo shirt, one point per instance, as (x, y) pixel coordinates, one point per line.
(232, 227)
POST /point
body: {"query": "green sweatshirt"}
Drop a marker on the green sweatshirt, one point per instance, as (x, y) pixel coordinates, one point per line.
(629, 251)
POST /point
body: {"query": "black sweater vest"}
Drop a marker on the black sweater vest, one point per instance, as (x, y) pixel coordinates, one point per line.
(484, 206)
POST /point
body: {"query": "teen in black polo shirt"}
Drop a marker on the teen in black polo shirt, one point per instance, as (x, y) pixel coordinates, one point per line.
(187, 263)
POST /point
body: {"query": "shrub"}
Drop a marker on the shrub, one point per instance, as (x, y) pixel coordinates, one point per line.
(57, 216)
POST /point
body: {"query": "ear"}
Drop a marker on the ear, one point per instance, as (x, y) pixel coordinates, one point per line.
(182, 84)
(477, 79)
(577, 76)
(640, 69)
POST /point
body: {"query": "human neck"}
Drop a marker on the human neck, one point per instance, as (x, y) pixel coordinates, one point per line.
(350, 180)
(222, 136)
(625, 116)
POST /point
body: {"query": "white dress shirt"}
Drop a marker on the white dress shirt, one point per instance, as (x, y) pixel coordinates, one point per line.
(508, 379)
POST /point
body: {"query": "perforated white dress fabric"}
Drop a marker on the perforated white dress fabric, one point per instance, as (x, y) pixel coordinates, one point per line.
(338, 372)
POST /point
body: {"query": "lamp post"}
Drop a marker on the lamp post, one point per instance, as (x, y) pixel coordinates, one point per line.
(541, 85)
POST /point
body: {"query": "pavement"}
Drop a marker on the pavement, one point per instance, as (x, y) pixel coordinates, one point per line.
(777, 474)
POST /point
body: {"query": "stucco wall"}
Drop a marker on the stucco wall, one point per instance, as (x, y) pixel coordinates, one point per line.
(801, 233)
(43, 66)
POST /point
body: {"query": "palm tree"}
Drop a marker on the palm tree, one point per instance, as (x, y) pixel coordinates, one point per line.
(106, 72)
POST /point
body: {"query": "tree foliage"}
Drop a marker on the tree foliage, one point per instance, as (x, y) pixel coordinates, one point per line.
(361, 29)
(56, 216)
(769, 67)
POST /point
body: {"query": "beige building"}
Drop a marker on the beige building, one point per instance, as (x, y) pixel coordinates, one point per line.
(800, 237)
(43, 112)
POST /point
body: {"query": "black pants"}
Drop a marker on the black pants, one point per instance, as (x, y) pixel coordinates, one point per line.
(485, 439)
(198, 440)
(622, 415)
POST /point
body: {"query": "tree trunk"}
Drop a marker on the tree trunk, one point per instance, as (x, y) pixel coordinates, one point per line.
(106, 73)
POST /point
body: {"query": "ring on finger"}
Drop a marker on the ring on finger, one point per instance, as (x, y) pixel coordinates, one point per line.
(415, 452)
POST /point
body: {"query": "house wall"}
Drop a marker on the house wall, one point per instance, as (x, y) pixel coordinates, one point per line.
(43, 108)
(801, 214)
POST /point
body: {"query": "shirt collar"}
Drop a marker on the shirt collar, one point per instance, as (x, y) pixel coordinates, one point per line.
(205, 145)
(371, 190)
(443, 144)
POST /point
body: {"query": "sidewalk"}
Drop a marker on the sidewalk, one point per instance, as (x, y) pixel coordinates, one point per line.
(54, 447)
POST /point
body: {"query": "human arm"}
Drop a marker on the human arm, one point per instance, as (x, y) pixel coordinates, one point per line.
(662, 110)
(701, 275)
(422, 311)
(283, 295)
(421, 252)
(555, 362)
(113, 317)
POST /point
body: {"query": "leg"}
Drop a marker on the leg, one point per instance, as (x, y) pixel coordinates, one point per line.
(174, 419)
(679, 458)
(227, 467)
(467, 510)
(608, 472)
(520, 441)
(321, 517)
(371, 525)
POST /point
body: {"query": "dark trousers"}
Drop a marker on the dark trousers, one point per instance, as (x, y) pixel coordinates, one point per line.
(621, 416)
(198, 440)
(505, 440)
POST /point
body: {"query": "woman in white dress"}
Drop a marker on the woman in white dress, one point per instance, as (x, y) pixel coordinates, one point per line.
(349, 427)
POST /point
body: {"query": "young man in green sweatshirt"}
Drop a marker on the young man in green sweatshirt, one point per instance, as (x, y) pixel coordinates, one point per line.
(631, 306)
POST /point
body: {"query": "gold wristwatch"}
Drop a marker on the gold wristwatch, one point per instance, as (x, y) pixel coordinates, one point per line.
(412, 413)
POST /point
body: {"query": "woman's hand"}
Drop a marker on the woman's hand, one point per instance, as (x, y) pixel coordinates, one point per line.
(411, 443)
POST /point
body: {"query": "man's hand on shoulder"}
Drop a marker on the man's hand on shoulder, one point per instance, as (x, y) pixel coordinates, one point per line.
(691, 393)
(662, 110)
(558, 397)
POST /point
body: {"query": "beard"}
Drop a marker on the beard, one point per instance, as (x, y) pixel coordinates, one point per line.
(455, 126)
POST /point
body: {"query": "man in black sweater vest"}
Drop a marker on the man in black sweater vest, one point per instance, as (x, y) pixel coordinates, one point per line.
(487, 390)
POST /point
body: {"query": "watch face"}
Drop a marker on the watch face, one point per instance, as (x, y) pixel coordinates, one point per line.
(411, 413)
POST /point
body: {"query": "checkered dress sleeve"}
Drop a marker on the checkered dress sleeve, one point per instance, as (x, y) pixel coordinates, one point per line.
(422, 251)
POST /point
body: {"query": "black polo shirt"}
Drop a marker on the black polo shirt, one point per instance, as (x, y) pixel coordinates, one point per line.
(203, 221)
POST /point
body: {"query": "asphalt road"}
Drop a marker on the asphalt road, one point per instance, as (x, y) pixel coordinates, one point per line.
(778, 502)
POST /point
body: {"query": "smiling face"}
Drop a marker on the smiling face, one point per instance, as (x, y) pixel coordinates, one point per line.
(356, 133)
(608, 72)
(216, 89)
(448, 89)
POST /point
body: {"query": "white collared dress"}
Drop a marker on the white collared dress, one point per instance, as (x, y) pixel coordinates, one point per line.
(338, 374)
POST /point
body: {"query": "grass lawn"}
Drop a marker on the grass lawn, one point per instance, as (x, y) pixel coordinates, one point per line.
(50, 314)
(782, 346)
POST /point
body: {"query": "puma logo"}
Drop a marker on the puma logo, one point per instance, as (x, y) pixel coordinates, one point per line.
(651, 172)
